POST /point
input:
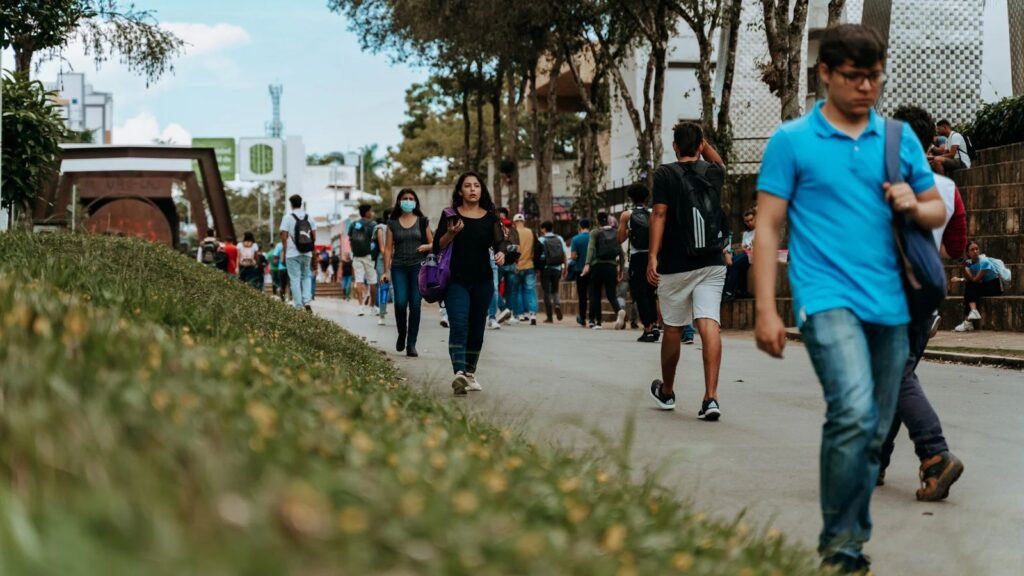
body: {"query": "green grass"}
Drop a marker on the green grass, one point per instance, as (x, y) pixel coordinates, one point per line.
(159, 418)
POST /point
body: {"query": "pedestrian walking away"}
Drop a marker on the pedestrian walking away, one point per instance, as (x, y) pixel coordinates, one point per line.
(939, 468)
(231, 252)
(686, 262)
(249, 270)
(360, 237)
(211, 252)
(578, 249)
(635, 227)
(408, 242)
(510, 309)
(383, 292)
(472, 232)
(298, 241)
(826, 171)
(550, 258)
(278, 272)
(526, 275)
(604, 267)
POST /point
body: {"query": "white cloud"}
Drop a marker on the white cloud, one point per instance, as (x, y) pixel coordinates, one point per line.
(204, 39)
(145, 129)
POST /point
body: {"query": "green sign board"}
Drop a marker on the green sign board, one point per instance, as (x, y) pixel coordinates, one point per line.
(261, 159)
(224, 148)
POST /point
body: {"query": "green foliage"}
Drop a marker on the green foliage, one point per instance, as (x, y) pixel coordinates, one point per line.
(32, 130)
(161, 418)
(998, 124)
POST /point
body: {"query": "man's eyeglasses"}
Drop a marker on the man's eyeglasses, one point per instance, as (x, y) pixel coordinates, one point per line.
(857, 78)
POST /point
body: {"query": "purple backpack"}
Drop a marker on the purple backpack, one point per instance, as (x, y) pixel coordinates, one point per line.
(435, 272)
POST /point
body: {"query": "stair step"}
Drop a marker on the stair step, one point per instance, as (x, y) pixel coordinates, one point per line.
(998, 313)
(1001, 154)
(995, 221)
(991, 174)
(1009, 249)
(992, 196)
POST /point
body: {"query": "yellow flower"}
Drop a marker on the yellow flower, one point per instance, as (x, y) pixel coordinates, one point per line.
(411, 504)
(407, 476)
(362, 442)
(495, 481)
(160, 399)
(569, 484)
(513, 462)
(614, 538)
(438, 460)
(530, 545)
(264, 416)
(41, 327)
(745, 571)
(353, 520)
(465, 502)
(576, 511)
(682, 561)
(602, 477)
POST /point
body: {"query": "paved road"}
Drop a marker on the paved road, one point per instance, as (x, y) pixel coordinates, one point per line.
(562, 382)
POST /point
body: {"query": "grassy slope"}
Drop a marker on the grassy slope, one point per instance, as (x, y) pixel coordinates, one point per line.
(158, 418)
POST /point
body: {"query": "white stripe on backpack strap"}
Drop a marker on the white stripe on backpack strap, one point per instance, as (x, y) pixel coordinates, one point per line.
(698, 229)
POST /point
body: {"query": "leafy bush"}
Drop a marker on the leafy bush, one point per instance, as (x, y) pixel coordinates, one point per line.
(160, 418)
(998, 124)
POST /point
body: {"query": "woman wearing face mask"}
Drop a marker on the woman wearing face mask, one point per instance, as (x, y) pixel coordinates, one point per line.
(472, 232)
(409, 239)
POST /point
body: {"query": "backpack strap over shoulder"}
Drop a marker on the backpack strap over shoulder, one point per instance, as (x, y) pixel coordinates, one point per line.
(893, 134)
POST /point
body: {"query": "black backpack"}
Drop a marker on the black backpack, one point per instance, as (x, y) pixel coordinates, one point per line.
(970, 147)
(210, 249)
(699, 211)
(607, 244)
(550, 252)
(639, 228)
(360, 236)
(303, 234)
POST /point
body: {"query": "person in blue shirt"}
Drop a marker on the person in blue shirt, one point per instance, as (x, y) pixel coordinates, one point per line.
(578, 252)
(825, 171)
(980, 280)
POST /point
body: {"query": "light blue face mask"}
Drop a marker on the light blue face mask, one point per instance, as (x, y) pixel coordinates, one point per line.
(407, 206)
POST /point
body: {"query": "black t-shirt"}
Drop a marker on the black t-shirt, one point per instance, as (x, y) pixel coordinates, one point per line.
(668, 185)
(471, 260)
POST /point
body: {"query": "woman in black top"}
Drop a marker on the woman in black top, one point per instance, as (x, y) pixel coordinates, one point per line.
(473, 233)
(409, 239)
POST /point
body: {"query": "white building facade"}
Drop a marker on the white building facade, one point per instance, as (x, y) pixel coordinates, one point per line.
(83, 108)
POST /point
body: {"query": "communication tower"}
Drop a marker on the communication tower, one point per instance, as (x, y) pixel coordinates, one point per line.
(274, 127)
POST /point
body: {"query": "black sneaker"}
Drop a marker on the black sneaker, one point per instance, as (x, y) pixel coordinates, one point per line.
(411, 352)
(687, 340)
(400, 345)
(648, 337)
(665, 401)
(710, 410)
(840, 563)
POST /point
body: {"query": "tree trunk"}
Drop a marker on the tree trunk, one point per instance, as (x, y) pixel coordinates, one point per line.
(724, 130)
(496, 145)
(23, 58)
(835, 14)
(466, 129)
(515, 97)
(707, 96)
(791, 105)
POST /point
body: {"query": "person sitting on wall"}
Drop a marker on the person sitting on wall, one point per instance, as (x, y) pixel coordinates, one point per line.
(953, 155)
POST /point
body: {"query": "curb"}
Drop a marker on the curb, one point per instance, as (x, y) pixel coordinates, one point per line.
(994, 360)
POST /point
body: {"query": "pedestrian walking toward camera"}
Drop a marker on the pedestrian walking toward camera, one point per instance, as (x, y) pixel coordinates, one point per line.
(509, 307)
(604, 267)
(550, 261)
(526, 273)
(472, 229)
(298, 241)
(578, 249)
(347, 275)
(409, 241)
(635, 227)
(939, 468)
(360, 237)
(249, 270)
(827, 171)
(686, 263)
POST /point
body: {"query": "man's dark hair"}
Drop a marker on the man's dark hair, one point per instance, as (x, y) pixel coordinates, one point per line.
(602, 218)
(503, 211)
(858, 44)
(920, 121)
(547, 226)
(687, 136)
(363, 209)
(211, 232)
(637, 192)
(943, 122)
(585, 223)
(295, 200)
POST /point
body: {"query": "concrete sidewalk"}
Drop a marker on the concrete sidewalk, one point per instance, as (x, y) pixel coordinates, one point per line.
(570, 386)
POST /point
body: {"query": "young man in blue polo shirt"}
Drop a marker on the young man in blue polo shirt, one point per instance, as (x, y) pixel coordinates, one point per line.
(826, 172)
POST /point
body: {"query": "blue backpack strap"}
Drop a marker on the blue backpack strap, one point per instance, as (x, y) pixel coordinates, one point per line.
(893, 134)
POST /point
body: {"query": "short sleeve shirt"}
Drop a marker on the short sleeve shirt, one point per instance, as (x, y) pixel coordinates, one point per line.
(579, 245)
(986, 265)
(288, 225)
(841, 248)
(672, 257)
(957, 139)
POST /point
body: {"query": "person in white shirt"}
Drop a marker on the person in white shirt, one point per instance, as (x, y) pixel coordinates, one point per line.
(297, 253)
(736, 277)
(953, 156)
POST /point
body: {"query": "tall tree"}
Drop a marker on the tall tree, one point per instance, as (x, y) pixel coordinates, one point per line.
(542, 134)
(785, 40)
(835, 15)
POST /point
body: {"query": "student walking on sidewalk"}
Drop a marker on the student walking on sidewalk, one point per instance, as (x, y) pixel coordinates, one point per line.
(472, 231)
(578, 249)
(604, 267)
(550, 261)
(826, 171)
(635, 226)
(298, 239)
(409, 241)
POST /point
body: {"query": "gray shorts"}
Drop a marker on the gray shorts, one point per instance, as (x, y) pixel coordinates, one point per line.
(687, 296)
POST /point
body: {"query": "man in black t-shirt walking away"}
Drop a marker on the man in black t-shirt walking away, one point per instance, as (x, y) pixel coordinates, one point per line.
(685, 263)
(635, 225)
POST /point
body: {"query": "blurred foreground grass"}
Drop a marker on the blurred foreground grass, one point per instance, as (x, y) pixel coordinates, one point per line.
(157, 417)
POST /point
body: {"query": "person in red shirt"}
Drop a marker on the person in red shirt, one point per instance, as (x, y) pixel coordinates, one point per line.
(231, 250)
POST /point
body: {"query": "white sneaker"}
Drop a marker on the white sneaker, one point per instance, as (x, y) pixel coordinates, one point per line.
(513, 320)
(380, 320)
(493, 324)
(444, 319)
(620, 320)
(533, 319)
(596, 327)
(964, 326)
(473, 386)
(974, 315)
(362, 311)
(460, 384)
(503, 315)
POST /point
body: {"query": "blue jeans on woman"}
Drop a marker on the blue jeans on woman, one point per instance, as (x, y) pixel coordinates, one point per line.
(860, 366)
(405, 283)
(467, 318)
(492, 311)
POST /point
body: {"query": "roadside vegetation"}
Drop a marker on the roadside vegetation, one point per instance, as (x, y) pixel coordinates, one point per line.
(159, 418)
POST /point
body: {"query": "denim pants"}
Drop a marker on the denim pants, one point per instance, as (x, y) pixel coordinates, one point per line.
(859, 366)
(467, 317)
(549, 280)
(492, 311)
(644, 294)
(736, 277)
(509, 274)
(405, 283)
(913, 407)
(526, 282)
(299, 277)
(603, 278)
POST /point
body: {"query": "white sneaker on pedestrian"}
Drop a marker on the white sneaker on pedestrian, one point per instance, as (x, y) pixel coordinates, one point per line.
(620, 320)
(444, 319)
(473, 386)
(362, 311)
(493, 324)
(533, 319)
(513, 320)
(460, 384)
(380, 320)
(595, 327)
(964, 326)
(503, 315)
(974, 315)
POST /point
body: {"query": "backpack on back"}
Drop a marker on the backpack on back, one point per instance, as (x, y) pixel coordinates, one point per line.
(554, 253)
(999, 267)
(639, 228)
(969, 148)
(699, 211)
(607, 244)
(303, 234)
(209, 248)
(360, 237)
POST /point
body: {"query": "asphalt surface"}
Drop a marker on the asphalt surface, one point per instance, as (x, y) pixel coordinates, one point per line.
(568, 385)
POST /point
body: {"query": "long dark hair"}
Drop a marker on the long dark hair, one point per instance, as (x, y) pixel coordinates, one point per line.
(396, 212)
(485, 196)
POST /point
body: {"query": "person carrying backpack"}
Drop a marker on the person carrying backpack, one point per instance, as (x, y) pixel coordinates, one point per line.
(409, 241)
(526, 275)
(551, 258)
(360, 238)
(298, 241)
(211, 252)
(249, 270)
(635, 225)
(604, 268)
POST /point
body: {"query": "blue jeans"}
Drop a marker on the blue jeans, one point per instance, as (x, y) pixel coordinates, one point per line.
(860, 366)
(492, 312)
(509, 274)
(405, 282)
(299, 277)
(467, 317)
(526, 282)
